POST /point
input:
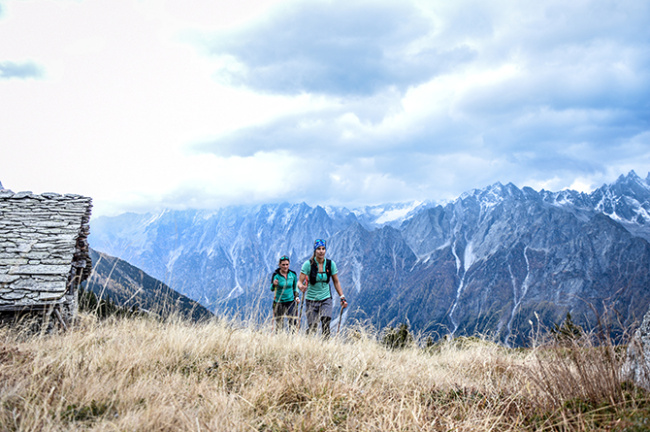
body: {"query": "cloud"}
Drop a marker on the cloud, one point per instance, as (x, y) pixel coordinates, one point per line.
(356, 48)
(328, 101)
(545, 90)
(22, 70)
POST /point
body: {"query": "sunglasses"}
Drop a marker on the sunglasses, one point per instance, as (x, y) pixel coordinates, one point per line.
(284, 257)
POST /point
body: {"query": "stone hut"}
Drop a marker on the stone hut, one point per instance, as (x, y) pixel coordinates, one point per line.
(44, 254)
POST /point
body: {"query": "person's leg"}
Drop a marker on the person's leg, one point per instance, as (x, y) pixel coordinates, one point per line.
(287, 313)
(325, 325)
(277, 316)
(326, 317)
(291, 313)
(311, 310)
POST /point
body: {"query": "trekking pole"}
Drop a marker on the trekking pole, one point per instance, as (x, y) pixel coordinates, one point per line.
(338, 327)
(273, 309)
(300, 313)
(302, 302)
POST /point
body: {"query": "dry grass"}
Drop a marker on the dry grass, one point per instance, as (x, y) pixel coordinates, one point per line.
(145, 375)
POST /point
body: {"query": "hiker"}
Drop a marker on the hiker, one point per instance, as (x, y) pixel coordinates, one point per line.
(314, 279)
(286, 295)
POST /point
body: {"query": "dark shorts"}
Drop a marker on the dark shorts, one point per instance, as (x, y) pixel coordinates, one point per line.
(317, 309)
(282, 310)
(319, 312)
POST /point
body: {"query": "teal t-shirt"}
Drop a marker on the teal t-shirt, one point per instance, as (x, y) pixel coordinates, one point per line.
(286, 289)
(321, 290)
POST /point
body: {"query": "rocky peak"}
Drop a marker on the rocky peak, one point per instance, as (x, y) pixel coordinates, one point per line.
(495, 194)
(631, 184)
(630, 178)
(627, 199)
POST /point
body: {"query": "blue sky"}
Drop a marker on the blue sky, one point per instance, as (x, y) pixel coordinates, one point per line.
(202, 103)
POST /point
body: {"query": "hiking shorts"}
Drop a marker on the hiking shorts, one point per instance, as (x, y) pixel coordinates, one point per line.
(316, 309)
(282, 310)
(319, 312)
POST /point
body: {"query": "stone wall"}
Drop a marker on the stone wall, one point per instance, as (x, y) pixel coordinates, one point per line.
(43, 249)
(637, 364)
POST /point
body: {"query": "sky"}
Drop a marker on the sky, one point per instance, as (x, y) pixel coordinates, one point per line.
(151, 104)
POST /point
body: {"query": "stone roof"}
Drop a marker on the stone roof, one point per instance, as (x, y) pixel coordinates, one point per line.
(43, 247)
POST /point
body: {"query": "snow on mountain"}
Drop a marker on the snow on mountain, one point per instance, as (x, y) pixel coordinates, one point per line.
(389, 214)
(626, 201)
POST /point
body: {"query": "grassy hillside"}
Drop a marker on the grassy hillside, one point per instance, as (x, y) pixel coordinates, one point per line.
(146, 375)
(128, 286)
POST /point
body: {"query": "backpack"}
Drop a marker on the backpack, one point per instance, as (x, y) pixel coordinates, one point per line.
(313, 272)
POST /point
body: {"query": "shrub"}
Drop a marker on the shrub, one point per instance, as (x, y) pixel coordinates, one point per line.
(104, 307)
(397, 338)
(568, 331)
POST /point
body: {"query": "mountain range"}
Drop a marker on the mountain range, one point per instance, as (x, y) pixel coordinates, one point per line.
(499, 260)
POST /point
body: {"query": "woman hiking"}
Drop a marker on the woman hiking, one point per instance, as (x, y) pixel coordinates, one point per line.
(283, 283)
(315, 276)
